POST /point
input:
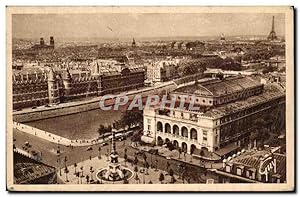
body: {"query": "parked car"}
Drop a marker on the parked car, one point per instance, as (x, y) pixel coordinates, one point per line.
(153, 151)
(34, 153)
(104, 144)
(89, 148)
(141, 152)
(122, 138)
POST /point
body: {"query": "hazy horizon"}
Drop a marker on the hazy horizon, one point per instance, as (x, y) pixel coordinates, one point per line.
(123, 26)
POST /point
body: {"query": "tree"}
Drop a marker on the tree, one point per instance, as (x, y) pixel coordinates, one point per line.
(75, 165)
(87, 178)
(136, 173)
(125, 158)
(131, 117)
(145, 157)
(136, 169)
(161, 178)
(171, 172)
(135, 161)
(101, 130)
(146, 167)
(125, 181)
(66, 159)
(81, 168)
(66, 171)
(168, 165)
(99, 150)
(91, 171)
(179, 152)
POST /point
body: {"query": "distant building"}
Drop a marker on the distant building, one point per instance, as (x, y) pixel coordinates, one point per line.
(272, 36)
(42, 44)
(222, 38)
(162, 70)
(40, 88)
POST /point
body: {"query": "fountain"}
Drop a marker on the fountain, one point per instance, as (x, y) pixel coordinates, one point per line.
(114, 172)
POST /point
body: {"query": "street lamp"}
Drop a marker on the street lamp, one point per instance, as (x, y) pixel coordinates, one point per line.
(144, 176)
(58, 163)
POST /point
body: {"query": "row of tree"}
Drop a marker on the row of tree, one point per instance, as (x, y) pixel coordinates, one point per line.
(128, 119)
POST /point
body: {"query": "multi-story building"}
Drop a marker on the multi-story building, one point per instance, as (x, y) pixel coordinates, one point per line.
(227, 109)
(52, 87)
(160, 71)
(27, 170)
(253, 167)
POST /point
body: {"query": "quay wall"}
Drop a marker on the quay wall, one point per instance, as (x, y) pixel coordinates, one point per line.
(28, 115)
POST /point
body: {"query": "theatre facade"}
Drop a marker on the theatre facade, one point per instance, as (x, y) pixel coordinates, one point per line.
(224, 122)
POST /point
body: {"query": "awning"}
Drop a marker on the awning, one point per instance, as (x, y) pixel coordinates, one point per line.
(227, 149)
(147, 139)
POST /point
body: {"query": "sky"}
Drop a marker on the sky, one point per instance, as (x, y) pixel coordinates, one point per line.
(144, 25)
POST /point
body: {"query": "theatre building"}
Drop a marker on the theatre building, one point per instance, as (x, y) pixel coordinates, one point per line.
(227, 109)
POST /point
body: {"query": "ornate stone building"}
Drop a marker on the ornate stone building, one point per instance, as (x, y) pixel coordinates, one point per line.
(224, 121)
(53, 87)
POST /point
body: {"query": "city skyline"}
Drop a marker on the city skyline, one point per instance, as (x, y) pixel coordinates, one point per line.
(116, 26)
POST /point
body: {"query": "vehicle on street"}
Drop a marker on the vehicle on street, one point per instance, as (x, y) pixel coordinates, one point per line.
(104, 144)
(153, 151)
(89, 148)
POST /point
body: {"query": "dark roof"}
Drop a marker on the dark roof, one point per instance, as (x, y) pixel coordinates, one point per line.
(28, 170)
(253, 160)
(219, 87)
(270, 92)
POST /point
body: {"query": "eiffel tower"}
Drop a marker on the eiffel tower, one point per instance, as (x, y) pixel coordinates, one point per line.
(272, 35)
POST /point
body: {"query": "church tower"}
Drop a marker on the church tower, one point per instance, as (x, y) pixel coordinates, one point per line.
(52, 41)
(53, 89)
(272, 35)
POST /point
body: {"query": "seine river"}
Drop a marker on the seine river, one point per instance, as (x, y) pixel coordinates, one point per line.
(79, 125)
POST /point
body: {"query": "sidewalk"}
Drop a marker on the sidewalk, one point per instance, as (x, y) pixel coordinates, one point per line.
(56, 138)
(187, 158)
(92, 100)
(98, 164)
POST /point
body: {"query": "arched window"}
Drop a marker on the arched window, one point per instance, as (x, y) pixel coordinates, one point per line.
(184, 132)
(194, 134)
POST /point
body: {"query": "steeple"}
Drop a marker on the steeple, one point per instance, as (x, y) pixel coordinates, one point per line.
(272, 35)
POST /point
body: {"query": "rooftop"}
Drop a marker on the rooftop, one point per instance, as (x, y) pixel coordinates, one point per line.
(252, 159)
(27, 170)
(270, 91)
(218, 87)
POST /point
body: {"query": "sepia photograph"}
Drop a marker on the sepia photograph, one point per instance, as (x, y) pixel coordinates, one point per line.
(196, 99)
